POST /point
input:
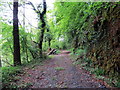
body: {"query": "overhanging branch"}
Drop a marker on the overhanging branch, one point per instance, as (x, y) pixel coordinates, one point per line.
(30, 3)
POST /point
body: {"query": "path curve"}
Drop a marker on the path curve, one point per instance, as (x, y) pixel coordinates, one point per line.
(70, 76)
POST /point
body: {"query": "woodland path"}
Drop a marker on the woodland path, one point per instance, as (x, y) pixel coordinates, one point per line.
(48, 76)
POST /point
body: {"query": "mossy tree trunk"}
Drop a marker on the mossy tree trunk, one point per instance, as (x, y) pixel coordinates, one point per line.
(42, 26)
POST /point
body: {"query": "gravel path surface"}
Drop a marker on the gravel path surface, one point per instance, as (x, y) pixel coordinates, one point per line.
(59, 72)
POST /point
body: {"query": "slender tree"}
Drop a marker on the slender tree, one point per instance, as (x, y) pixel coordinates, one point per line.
(41, 16)
(42, 26)
(0, 62)
(49, 37)
(16, 43)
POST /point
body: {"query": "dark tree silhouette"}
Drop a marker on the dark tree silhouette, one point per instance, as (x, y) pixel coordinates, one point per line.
(0, 62)
(41, 16)
(16, 43)
(42, 26)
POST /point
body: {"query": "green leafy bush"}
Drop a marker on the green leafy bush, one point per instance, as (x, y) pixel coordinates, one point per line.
(118, 84)
(8, 74)
(57, 51)
(99, 71)
(80, 52)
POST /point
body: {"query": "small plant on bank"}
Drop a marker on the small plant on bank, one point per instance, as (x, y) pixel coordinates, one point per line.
(117, 84)
(59, 68)
(99, 71)
(58, 51)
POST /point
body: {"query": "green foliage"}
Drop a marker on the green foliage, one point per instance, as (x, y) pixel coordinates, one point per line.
(77, 63)
(6, 42)
(80, 52)
(99, 71)
(11, 74)
(57, 51)
(118, 84)
(51, 56)
(25, 85)
(59, 68)
(8, 74)
(75, 21)
(58, 44)
(88, 62)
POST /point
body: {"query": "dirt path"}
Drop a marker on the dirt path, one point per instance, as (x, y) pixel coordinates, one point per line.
(59, 72)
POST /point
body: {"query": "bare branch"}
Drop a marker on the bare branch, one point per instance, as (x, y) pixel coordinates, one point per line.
(9, 6)
(6, 61)
(39, 7)
(30, 3)
(12, 10)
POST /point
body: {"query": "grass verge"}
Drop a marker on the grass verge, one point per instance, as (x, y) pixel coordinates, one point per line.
(98, 72)
(10, 75)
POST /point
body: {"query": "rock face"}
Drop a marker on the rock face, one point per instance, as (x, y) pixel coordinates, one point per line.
(105, 52)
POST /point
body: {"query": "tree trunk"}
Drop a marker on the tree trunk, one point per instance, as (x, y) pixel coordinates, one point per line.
(0, 62)
(49, 38)
(42, 33)
(49, 42)
(42, 26)
(16, 44)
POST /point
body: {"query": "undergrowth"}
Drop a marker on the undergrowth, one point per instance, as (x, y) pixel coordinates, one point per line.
(57, 51)
(99, 73)
(10, 75)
